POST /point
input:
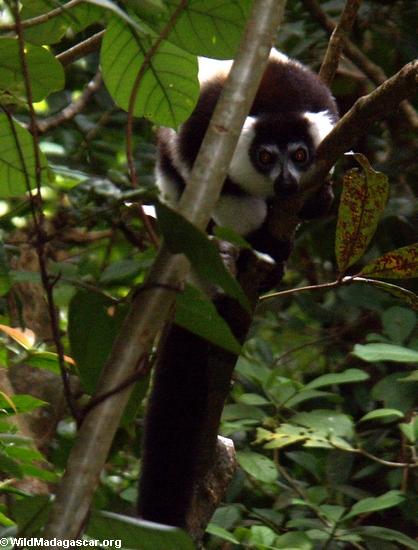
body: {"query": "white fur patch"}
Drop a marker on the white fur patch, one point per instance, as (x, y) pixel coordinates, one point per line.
(242, 214)
(241, 169)
(168, 187)
(210, 68)
(320, 125)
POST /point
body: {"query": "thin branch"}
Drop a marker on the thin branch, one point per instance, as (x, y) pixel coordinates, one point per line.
(336, 43)
(151, 308)
(73, 109)
(36, 206)
(357, 121)
(132, 100)
(370, 69)
(82, 49)
(39, 19)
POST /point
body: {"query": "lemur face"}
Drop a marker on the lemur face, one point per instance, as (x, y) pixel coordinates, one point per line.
(274, 150)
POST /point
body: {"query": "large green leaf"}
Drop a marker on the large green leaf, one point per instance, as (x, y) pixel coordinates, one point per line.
(258, 466)
(137, 534)
(17, 159)
(181, 236)
(346, 377)
(51, 31)
(93, 323)
(197, 314)
(45, 72)
(169, 88)
(374, 504)
(385, 534)
(385, 352)
(363, 200)
(211, 28)
(401, 263)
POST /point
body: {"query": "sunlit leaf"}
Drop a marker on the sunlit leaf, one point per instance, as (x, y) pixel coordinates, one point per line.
(17, 159)
(258, 466)
(363, 200)
(45, 72)
(26, 338)
(382, 414)
(346, 377)
(169, 88)
(401, 263)
(211, 28)
(385, 352)
(137, 534)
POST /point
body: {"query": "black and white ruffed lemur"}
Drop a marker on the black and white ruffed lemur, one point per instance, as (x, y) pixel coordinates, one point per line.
(292, 113)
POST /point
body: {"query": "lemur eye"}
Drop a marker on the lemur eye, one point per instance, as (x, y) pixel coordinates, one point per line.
(300, 155)
(266, 157)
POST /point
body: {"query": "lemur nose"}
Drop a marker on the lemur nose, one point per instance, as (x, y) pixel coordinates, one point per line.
(285, 185)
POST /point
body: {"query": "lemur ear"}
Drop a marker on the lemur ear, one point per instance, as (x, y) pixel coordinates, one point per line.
(319, 204)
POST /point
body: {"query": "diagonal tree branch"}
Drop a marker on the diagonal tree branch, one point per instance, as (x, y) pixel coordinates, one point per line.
(336, 43)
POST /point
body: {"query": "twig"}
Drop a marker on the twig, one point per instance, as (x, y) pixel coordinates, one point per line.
(357, 121)
(370, 69)
(73, 109)
(38, 216)
(82, 49)
(336, 43)
(43, 18)
(132, 100)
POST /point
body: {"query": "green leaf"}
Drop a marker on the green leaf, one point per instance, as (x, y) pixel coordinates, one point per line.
(93, 323)
(169, 88)
(44, 360)
(45, 72)
(253, 399)
(398, 323)
(325, 421)
(17, 160)
(374, 504)
(410, 430)
(181, 236)
(362, 202)
(51, 32)
(293, 541)
(221, 533)
(261, 536)
(281, 437)
(347, 377)
(382, 414)
(412, 377)
(5, 280)
(385, 352)
(258, 466)
(197, 314)
(401, 263)
(385, 534)
(22, 403)
(394, 394)
(10, 466)
(211, 28)
(403, 294)
(137, 534)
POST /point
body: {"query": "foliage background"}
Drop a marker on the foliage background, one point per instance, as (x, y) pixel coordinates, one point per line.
(298, 378)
